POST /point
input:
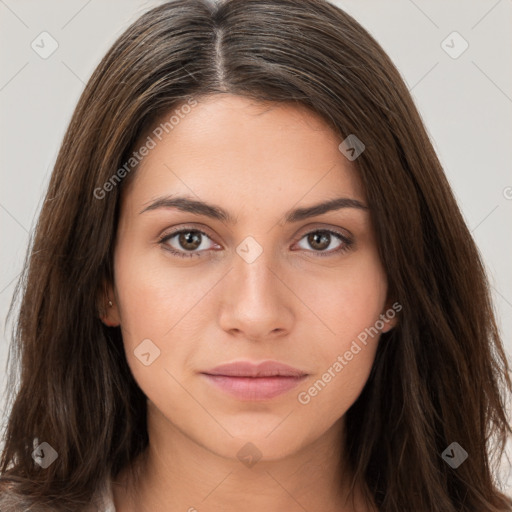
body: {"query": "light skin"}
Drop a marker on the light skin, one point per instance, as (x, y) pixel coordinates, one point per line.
(290, 304)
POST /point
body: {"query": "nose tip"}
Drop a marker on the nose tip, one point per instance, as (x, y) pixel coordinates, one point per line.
(256, 304)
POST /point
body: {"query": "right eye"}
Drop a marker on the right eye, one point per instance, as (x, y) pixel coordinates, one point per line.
(189, 240)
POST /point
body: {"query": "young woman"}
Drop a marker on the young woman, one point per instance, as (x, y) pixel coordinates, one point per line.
(251, 286)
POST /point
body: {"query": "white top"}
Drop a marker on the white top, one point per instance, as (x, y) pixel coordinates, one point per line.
(105, 501)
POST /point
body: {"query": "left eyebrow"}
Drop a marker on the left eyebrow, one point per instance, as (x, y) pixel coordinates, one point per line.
(187, 204)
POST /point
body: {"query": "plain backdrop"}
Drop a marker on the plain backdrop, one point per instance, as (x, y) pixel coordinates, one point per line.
(464, 97)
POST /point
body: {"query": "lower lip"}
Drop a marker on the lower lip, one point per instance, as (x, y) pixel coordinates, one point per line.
(254, 388)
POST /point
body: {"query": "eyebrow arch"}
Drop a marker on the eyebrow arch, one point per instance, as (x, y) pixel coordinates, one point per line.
(186, 204)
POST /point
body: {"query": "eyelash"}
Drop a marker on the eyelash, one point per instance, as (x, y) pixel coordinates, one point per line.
(347, 242)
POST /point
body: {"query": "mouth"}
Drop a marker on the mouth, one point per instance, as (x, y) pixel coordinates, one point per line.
(248, 381)
(254, 388)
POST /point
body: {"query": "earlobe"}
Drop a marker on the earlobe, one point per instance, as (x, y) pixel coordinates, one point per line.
(108, 310)
(389, 323)
(390, 317)
(109, 316)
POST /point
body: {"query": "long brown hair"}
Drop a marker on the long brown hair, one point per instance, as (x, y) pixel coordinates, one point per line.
(440, 376)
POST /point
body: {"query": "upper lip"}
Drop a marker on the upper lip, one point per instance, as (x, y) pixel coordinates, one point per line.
(249, 369)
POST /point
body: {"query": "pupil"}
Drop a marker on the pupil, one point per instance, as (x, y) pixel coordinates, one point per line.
(187, 239)
(316, 238)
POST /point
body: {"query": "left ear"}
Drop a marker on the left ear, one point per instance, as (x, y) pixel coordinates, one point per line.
(390, 315)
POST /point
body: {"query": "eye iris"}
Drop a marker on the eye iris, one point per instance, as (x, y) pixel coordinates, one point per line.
(190, 237)
(320, 238)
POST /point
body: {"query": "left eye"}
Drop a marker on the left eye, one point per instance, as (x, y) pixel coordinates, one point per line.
(191, 239)
(321, 240)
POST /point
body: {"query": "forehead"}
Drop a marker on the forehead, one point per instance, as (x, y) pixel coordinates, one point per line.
(235, 150)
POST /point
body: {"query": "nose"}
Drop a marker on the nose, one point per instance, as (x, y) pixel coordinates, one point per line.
(256, 303)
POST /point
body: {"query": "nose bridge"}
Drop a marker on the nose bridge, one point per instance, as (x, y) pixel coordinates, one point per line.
(254, 271)
(255, 300)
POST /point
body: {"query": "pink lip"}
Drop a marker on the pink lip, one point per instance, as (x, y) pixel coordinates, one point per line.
(249, 381)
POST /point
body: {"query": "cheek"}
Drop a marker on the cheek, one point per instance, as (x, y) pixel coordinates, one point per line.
(342, 362)
(162, 304)
(151, 302)
(349, 304)
(152, 295)
(347, 300)
(329, 394)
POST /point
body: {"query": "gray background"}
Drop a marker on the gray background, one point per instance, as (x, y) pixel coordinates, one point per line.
(465, 102)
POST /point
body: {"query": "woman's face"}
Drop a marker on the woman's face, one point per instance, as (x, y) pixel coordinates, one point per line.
(256, 286)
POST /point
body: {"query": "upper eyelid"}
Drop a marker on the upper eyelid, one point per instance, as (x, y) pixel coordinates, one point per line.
(178, 230)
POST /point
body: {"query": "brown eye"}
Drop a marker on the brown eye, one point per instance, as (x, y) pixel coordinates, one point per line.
(321, 239)
(186, 242)
(189, 240)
